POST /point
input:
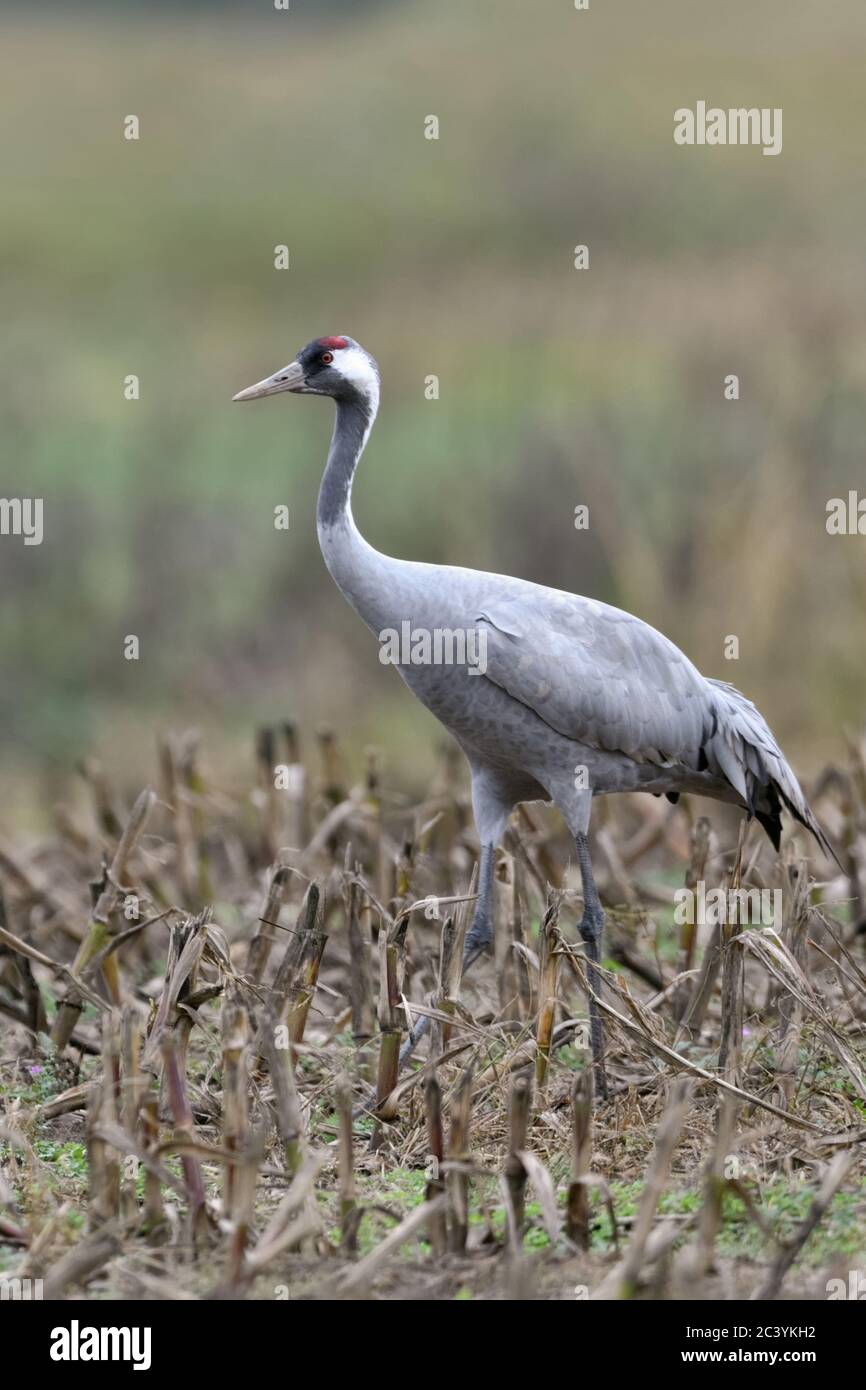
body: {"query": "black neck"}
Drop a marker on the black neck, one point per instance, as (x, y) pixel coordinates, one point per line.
(351, 427)
(371, 582)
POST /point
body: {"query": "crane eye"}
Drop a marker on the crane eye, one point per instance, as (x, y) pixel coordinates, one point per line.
(327, 357)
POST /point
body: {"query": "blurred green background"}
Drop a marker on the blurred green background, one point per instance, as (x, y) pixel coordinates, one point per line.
(452, 258)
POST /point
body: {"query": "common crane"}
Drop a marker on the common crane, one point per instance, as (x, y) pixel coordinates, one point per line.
(575, 698)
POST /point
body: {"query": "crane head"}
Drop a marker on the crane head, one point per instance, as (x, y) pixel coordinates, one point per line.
(336, 366)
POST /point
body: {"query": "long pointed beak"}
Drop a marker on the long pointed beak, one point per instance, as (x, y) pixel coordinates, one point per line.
(291, 378)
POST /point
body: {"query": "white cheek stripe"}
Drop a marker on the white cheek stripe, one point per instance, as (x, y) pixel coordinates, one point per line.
(355, 366)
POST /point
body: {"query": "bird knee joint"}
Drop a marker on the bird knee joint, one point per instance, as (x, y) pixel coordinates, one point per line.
(591, 924)
(480, 935)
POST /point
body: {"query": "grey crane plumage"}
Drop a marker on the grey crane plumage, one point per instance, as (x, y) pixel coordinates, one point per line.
(573, 698)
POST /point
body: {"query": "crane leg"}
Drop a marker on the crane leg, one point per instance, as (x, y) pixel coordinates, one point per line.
(591, 928)
(480, 933)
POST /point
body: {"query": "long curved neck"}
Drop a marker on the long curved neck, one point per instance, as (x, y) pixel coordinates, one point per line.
(355, 417)
(364, 575)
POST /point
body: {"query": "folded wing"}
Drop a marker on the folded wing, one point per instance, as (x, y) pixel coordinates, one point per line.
(599, 676)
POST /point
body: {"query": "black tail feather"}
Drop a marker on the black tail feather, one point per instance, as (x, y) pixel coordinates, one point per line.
(771, 818)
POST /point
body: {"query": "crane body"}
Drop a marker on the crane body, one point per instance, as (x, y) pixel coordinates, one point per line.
(576, 698)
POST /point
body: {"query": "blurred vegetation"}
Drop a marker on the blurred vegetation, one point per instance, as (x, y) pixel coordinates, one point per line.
(452, 257)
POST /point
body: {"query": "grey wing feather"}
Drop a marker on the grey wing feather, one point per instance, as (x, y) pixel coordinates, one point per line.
(744, 748)
(598, 675)
(604, 678)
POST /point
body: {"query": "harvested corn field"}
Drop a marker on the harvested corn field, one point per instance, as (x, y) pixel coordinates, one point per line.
(205, 993)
